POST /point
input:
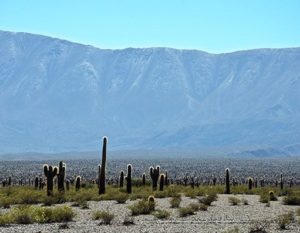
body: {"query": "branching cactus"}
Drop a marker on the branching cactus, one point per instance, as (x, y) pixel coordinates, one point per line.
(161, 182)
(121, 179)
(227, 181)
(154, 174)
(50, 172)
(61, 176)
(102, 170)
(128, 183)
(36, 182)
(77, 183)
(144, 179)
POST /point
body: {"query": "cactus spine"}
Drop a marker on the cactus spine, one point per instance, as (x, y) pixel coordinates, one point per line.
(50, 172)
(77, 183)
(128, 183)
(154, 174)
(61, 176)
(161, 182)
(102, 170)
(121, 179)
(227, 181)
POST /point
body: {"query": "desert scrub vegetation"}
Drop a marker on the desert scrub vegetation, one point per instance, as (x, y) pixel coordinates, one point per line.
(234, 230)
(161, 214)
(105, 216)
(186, 211)
(142, 207)
(207, 200)
(234, 200)
(175, 202)
(36, 214)
(292, 198)
(284, 220)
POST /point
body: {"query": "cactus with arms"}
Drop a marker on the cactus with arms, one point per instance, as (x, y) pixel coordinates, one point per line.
(154, 174)
(50, 172)
(61, 176)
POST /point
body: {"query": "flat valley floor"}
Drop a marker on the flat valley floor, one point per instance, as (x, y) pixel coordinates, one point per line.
(220, 217)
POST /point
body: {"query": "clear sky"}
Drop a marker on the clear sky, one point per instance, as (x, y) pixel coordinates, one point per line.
(209, 25)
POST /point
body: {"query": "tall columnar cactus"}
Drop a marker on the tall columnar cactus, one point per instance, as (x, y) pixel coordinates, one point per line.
(77, 183)
(154, 174)
(128, 183)
(121, 179)
(9, 181)
(161, 182)
(227, 181)
(102, 170)
(61, 176)
(250, 183)
(50, 172)
(281, 182)
(36, 182)
(144, 179)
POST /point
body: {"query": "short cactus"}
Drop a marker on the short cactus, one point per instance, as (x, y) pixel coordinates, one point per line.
(121, 179)
(61, 176)
(67, 185)
(50, 172)
(227, 181)
(281, 182)
(102, 170)
(128, 180)
(144, 179)
(36, 182)
(77, 183)
(154, 174)
(161, 182)
(151, 203)
(250, 183)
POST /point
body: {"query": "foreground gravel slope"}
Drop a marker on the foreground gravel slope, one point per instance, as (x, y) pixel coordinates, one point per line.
(221, 216)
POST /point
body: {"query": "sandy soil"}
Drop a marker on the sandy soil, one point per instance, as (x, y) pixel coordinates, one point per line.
(219, 217)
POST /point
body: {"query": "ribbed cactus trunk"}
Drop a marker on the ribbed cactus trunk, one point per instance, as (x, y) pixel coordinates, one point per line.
(227, 181)
(128, 183)
(121, 180)
(61, 176)
(50, 173)
(161, 182)
(154, 174)
(102, 170)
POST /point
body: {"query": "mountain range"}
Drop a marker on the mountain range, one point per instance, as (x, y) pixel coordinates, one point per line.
(60, 96)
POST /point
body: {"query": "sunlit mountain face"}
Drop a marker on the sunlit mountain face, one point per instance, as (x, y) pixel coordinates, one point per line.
(60, 96)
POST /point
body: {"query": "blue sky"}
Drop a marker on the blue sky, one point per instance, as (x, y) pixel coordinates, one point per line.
(212, 25)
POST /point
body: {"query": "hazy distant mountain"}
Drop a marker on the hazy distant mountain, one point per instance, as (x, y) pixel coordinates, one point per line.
(60, 96)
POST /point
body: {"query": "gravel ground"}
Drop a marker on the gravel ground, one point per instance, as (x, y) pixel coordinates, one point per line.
(221, 216)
